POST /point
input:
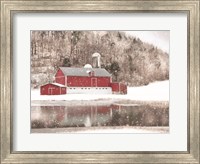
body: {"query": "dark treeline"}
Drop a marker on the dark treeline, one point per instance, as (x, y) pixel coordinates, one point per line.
(126, 57)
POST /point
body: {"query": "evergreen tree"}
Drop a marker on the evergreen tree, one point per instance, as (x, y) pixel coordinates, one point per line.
(115, 69)
(66, 62)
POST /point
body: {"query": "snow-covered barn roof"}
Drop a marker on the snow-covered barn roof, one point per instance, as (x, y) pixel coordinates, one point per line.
(68, 71)
(59, 85)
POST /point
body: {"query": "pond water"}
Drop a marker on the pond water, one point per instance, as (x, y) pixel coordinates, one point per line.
(63, 116)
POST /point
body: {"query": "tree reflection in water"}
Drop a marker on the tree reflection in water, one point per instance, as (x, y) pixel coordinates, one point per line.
(87, 116)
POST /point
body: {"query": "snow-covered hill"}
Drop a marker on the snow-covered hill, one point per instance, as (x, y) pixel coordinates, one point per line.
(125, 56)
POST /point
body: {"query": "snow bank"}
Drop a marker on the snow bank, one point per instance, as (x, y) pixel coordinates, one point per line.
(157, 91)
(154, 91)
(103, 130)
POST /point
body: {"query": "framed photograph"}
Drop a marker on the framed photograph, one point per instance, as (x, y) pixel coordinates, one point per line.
(100, 81)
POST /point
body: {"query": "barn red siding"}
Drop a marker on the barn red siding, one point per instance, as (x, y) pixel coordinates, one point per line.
(115, 87)
(123, 88)
(119, 88)
(59, 77)
(103, 81)
(78, 81)
(74, 81)
(51, 89)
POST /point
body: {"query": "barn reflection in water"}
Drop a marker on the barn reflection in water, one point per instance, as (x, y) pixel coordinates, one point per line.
(97, 116)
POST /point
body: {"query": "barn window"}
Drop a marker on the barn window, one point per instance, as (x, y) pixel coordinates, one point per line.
(91, 73)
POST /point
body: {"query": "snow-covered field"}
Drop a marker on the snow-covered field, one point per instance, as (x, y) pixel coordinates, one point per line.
(103, 130)
(157, 91)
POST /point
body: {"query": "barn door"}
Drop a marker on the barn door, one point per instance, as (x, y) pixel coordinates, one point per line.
(94, 82)
(50, 91)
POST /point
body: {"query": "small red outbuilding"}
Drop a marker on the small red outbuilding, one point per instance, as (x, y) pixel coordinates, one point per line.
(119, 88)
(53, 89)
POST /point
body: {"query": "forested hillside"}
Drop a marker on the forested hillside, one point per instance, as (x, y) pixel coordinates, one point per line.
(127, 58)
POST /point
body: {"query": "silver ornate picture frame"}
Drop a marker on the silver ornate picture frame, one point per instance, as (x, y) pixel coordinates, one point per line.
(10, 8)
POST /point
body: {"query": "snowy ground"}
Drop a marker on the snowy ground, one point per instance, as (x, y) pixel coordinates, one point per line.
(155, 94)
(104, 130)
(157, 91)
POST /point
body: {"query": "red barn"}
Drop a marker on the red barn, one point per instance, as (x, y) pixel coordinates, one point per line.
(85, 80)
(53, 89)
(83, 77)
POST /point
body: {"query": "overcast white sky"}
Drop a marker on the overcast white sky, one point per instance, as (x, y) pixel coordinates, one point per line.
(157, 38)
